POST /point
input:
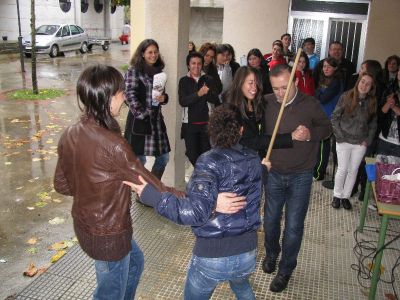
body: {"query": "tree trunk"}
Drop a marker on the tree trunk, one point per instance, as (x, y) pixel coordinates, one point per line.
(33, 55)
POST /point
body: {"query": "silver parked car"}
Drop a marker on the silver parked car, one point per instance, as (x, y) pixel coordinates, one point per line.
(53, 39)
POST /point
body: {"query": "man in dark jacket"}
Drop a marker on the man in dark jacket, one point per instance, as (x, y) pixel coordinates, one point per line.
(346, 67)
(290, 178)
(225, 247)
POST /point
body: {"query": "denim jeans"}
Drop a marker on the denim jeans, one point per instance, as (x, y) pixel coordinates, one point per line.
(119, 279)
(292, 191)
(159, 164)
(204, 274)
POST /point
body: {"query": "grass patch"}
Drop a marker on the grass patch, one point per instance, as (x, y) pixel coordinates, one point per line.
(44, 94)
(125, 68)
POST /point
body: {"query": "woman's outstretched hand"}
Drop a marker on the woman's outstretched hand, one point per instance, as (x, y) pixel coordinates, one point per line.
(138, 188)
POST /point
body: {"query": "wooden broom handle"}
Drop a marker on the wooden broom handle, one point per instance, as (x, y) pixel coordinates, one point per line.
(278, 120)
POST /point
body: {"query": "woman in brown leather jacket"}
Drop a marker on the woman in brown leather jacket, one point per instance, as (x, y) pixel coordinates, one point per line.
(93, 161)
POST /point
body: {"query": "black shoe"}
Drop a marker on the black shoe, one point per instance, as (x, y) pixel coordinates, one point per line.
(336, 202)
(361, 196)
(269, 264)
(346, 204)
(279, 283)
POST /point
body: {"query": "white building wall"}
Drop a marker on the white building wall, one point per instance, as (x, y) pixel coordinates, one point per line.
(49, 12)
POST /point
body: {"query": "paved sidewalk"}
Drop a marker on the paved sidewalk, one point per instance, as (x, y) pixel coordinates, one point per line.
(323, 272)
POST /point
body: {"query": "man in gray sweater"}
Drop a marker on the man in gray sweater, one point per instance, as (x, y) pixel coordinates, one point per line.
(290, 178)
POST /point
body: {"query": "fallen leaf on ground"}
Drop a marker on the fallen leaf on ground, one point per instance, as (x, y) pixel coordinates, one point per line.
(371, 266)
(390, 296)
(14, 121)
(42, 270)
(56, 221)
(32, 241)
(43, 196)
(69, 244)
(2, 260)
(57, 200)
(32, 270)
(32, 250)
(7, 163)
(58, 246)
(36, 159)
(30, 208)
(74, 239)
(20, 187)
(57, 256)
(40, 204)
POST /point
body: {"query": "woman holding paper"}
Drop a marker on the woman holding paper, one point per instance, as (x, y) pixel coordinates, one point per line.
(196, 90)
(145, 95)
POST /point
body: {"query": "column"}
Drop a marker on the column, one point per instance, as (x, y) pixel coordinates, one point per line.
(167, 22)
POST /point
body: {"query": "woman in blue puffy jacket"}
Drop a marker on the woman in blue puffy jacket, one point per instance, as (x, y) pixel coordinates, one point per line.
(225, 246)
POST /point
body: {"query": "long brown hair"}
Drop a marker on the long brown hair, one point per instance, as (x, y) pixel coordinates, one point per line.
(138, 61)
(352, 98)
(235, 94)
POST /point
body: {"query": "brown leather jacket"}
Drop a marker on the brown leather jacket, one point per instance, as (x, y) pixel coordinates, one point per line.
(92, 163)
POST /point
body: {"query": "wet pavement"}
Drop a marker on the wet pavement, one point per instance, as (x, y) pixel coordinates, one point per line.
(29, 132)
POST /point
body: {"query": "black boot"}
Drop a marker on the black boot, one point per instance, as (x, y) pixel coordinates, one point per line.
(158, 172)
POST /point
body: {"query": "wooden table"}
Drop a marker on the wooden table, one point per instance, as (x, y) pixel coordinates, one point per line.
(387, 212)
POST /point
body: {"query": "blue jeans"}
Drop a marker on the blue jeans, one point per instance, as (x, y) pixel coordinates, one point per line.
(119, 279)
(159, 164)
(204, 274)
(293, 192)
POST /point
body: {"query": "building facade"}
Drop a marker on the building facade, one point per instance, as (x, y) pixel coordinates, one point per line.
(97, 17)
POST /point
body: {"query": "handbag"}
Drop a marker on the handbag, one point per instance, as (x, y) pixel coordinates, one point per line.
(388, 183)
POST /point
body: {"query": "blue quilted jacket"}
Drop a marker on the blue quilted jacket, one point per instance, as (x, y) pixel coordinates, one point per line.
(237, 170)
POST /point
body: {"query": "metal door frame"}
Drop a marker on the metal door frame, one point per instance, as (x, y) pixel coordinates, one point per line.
(327, 18)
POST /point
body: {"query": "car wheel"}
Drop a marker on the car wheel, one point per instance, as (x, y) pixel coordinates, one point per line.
(54, 51)
(90, 47)
(84, 48)
(105, 47)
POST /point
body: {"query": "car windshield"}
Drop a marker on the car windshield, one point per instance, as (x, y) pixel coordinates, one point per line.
(47, 29)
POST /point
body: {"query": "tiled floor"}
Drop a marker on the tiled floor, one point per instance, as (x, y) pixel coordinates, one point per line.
(324, 268)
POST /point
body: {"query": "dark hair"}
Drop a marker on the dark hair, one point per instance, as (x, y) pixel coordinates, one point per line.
(337, 43)
(194, 54)
(95, 88)
(138, 61)
(207, 46)
(307, 67)
(255, 52)
(352, 98)
(280, 69)
(309, 40)
(278, 43)
(388, 60)
(224, 126)
(286, 34)
(231, 51)
(235, 94)
(221, 48)
(375, 69)
(194, 46)
(333, 63)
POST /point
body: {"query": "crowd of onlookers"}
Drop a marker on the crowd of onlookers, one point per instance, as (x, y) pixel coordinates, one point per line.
(228, 119)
